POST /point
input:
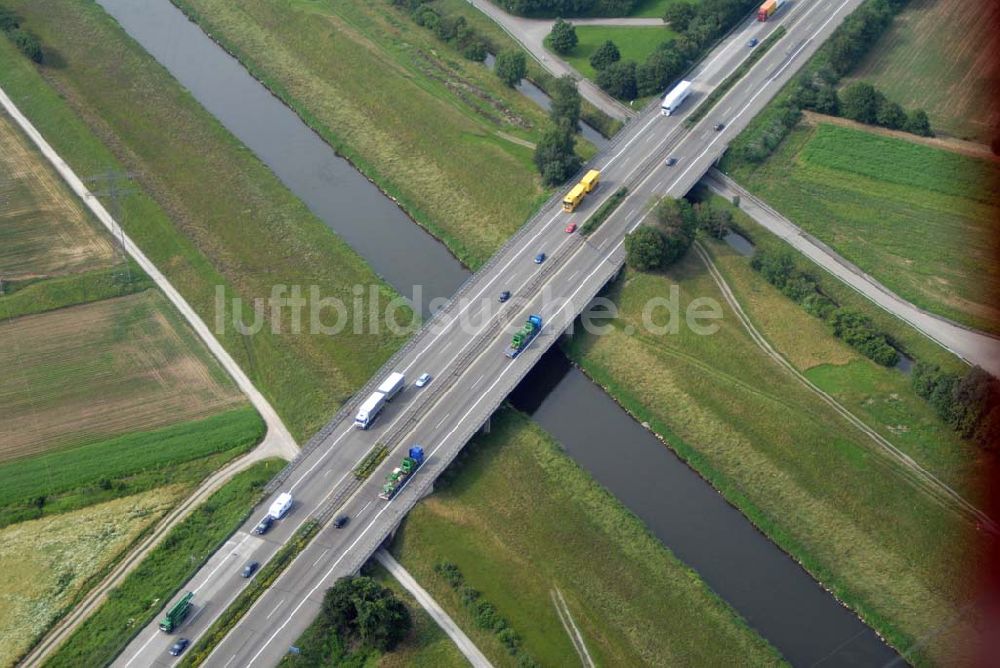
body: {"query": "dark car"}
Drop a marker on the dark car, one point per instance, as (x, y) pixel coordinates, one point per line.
(504, 296)
(341, 522)
(718, 126)
(752, 43)
(263, 525)
(249, 569)
(671, 161)
(540, 258)
(179, 646)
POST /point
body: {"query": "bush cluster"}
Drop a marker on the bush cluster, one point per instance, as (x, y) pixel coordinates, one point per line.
(485, 613)
(25, 42)
(454, 30)
(362, 611)
(969, 403)
(553, 8)
(660, 244)
(555, 155)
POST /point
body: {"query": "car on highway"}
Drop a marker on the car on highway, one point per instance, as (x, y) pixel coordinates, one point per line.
(571, 228)
(263, 525)
(249, 569)
(179, 646)
(540, 258)
(718, 126)
(341, 522)
(671, 161)
(504, 296)
(423, 379)
(752, 43)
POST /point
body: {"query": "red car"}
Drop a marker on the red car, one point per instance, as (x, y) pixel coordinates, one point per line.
(571, 228)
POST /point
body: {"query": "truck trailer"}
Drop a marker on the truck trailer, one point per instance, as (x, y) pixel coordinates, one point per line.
(399, 475)
(280, 506)
(580, 190)
(176, 614)
(392, 385)
(524, 336)
(369, 410)
(768, 9)
(675, 97)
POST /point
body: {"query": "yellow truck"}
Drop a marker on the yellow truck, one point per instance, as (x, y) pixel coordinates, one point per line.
(580, 190)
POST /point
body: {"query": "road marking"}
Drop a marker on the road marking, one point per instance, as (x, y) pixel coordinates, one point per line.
(442, 421)
(320, 558)
(364, 508)
(231, 659)
(328, 472)
(478, 380)
(221, 564)
(280, 603)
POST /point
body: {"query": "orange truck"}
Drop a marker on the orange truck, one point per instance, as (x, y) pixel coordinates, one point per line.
(768, 9)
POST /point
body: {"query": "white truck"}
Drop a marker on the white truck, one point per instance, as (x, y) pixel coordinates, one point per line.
(675, 97)
(369, 410)
(280, 506)
(392, 385)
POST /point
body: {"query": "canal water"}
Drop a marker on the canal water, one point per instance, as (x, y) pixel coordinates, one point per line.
(771, 591)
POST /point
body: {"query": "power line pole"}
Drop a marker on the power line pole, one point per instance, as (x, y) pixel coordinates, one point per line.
(116, 192)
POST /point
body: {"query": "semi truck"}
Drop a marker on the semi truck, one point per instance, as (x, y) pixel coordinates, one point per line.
(524, 336)
(280, 506)
(768, 9)
(392, 385)
(675, 97)
(580, 190)
(176, 614)
(399, 475)
(369, 410)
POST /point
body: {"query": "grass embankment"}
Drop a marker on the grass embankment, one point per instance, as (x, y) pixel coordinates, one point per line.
(633, 42)
(422, 122)
(47, 563)
(204, 206)
(918, 219)
(805, 477)
(427, 646)
(520, 519)
(141, 596)
(29, 298)
(941, 57)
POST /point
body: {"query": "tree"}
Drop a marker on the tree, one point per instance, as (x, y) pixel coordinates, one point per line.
(644, 249)
(362, 609)
(27, 44)
(565, 109)
(659, 69)
(554, 156)
(606, 54)
(618, 80)
(890, 115)
(475, 50)
(511, 67)
(860, 101)
(8, 20)
(679, 15)
(917, 123)
(677, 222)
(563, 37)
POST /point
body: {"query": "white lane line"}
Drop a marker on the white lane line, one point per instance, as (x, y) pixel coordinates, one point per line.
(280, 603)
(320, 557)
(231, 659)
(573, 275)
(142, 649)
(364, 507)
(328, 472)
(442, 421)
(478, 380)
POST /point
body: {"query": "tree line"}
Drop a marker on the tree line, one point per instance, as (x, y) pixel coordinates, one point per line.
(969, 403)
(25, 41)
(454, 30)
(659, 244)
(551, 8)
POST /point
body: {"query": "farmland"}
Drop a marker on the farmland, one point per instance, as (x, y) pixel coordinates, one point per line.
(918, 219)
(47, 562)
(634, 43)
(520, 519)
(942, 56)
(423, 122)
(810, 482)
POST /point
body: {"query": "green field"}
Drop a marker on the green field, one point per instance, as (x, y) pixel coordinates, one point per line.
(804, 476)
(422, 122)
(140, 597)
(634, 43)
(941, 56)
(918, 219)
(109, 105)
(520, 519)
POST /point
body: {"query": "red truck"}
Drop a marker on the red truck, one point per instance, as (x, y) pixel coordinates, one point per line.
(768, 9)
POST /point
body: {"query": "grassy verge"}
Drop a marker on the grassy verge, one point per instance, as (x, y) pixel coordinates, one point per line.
(520, 519)
(731, 80)
(604, 211)
(422, 123)
(139, 598)
(371, 461)
(62, 291)
(633, 42)
(205, 207)
(809, 481)
(260, 583)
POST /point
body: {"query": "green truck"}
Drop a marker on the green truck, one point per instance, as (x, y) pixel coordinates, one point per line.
(177, 613)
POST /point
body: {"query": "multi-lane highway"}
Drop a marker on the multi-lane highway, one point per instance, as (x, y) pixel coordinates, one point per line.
(462, 347)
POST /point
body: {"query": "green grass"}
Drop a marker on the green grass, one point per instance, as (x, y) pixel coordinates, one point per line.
(652, 8)
(917, 219)
(142, 595)
(204, 206)
(634, 43)
(61, 291)
(519, 519)
(809, 481)
(422, 122)
(55, 473)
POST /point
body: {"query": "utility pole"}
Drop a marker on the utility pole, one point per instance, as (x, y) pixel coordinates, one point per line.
(113, 188)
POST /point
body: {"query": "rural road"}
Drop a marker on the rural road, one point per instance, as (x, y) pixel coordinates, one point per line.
(437, 613)
(973, 346)
(530, 33)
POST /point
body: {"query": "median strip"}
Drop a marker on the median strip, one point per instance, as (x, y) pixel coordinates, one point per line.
(371, 461)
(604, 211)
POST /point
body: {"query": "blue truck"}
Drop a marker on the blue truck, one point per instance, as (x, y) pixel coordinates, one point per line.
(524, 336)
(399, 475)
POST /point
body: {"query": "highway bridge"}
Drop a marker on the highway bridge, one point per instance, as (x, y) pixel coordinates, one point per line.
(462, 346)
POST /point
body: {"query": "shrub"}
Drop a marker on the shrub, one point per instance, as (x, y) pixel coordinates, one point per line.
(619, 80)
(605, 55)
(563, 37)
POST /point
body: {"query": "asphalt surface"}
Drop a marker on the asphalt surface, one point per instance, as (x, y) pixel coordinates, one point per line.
(463, 347)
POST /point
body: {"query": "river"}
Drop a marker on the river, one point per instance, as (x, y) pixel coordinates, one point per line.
(776, 596)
